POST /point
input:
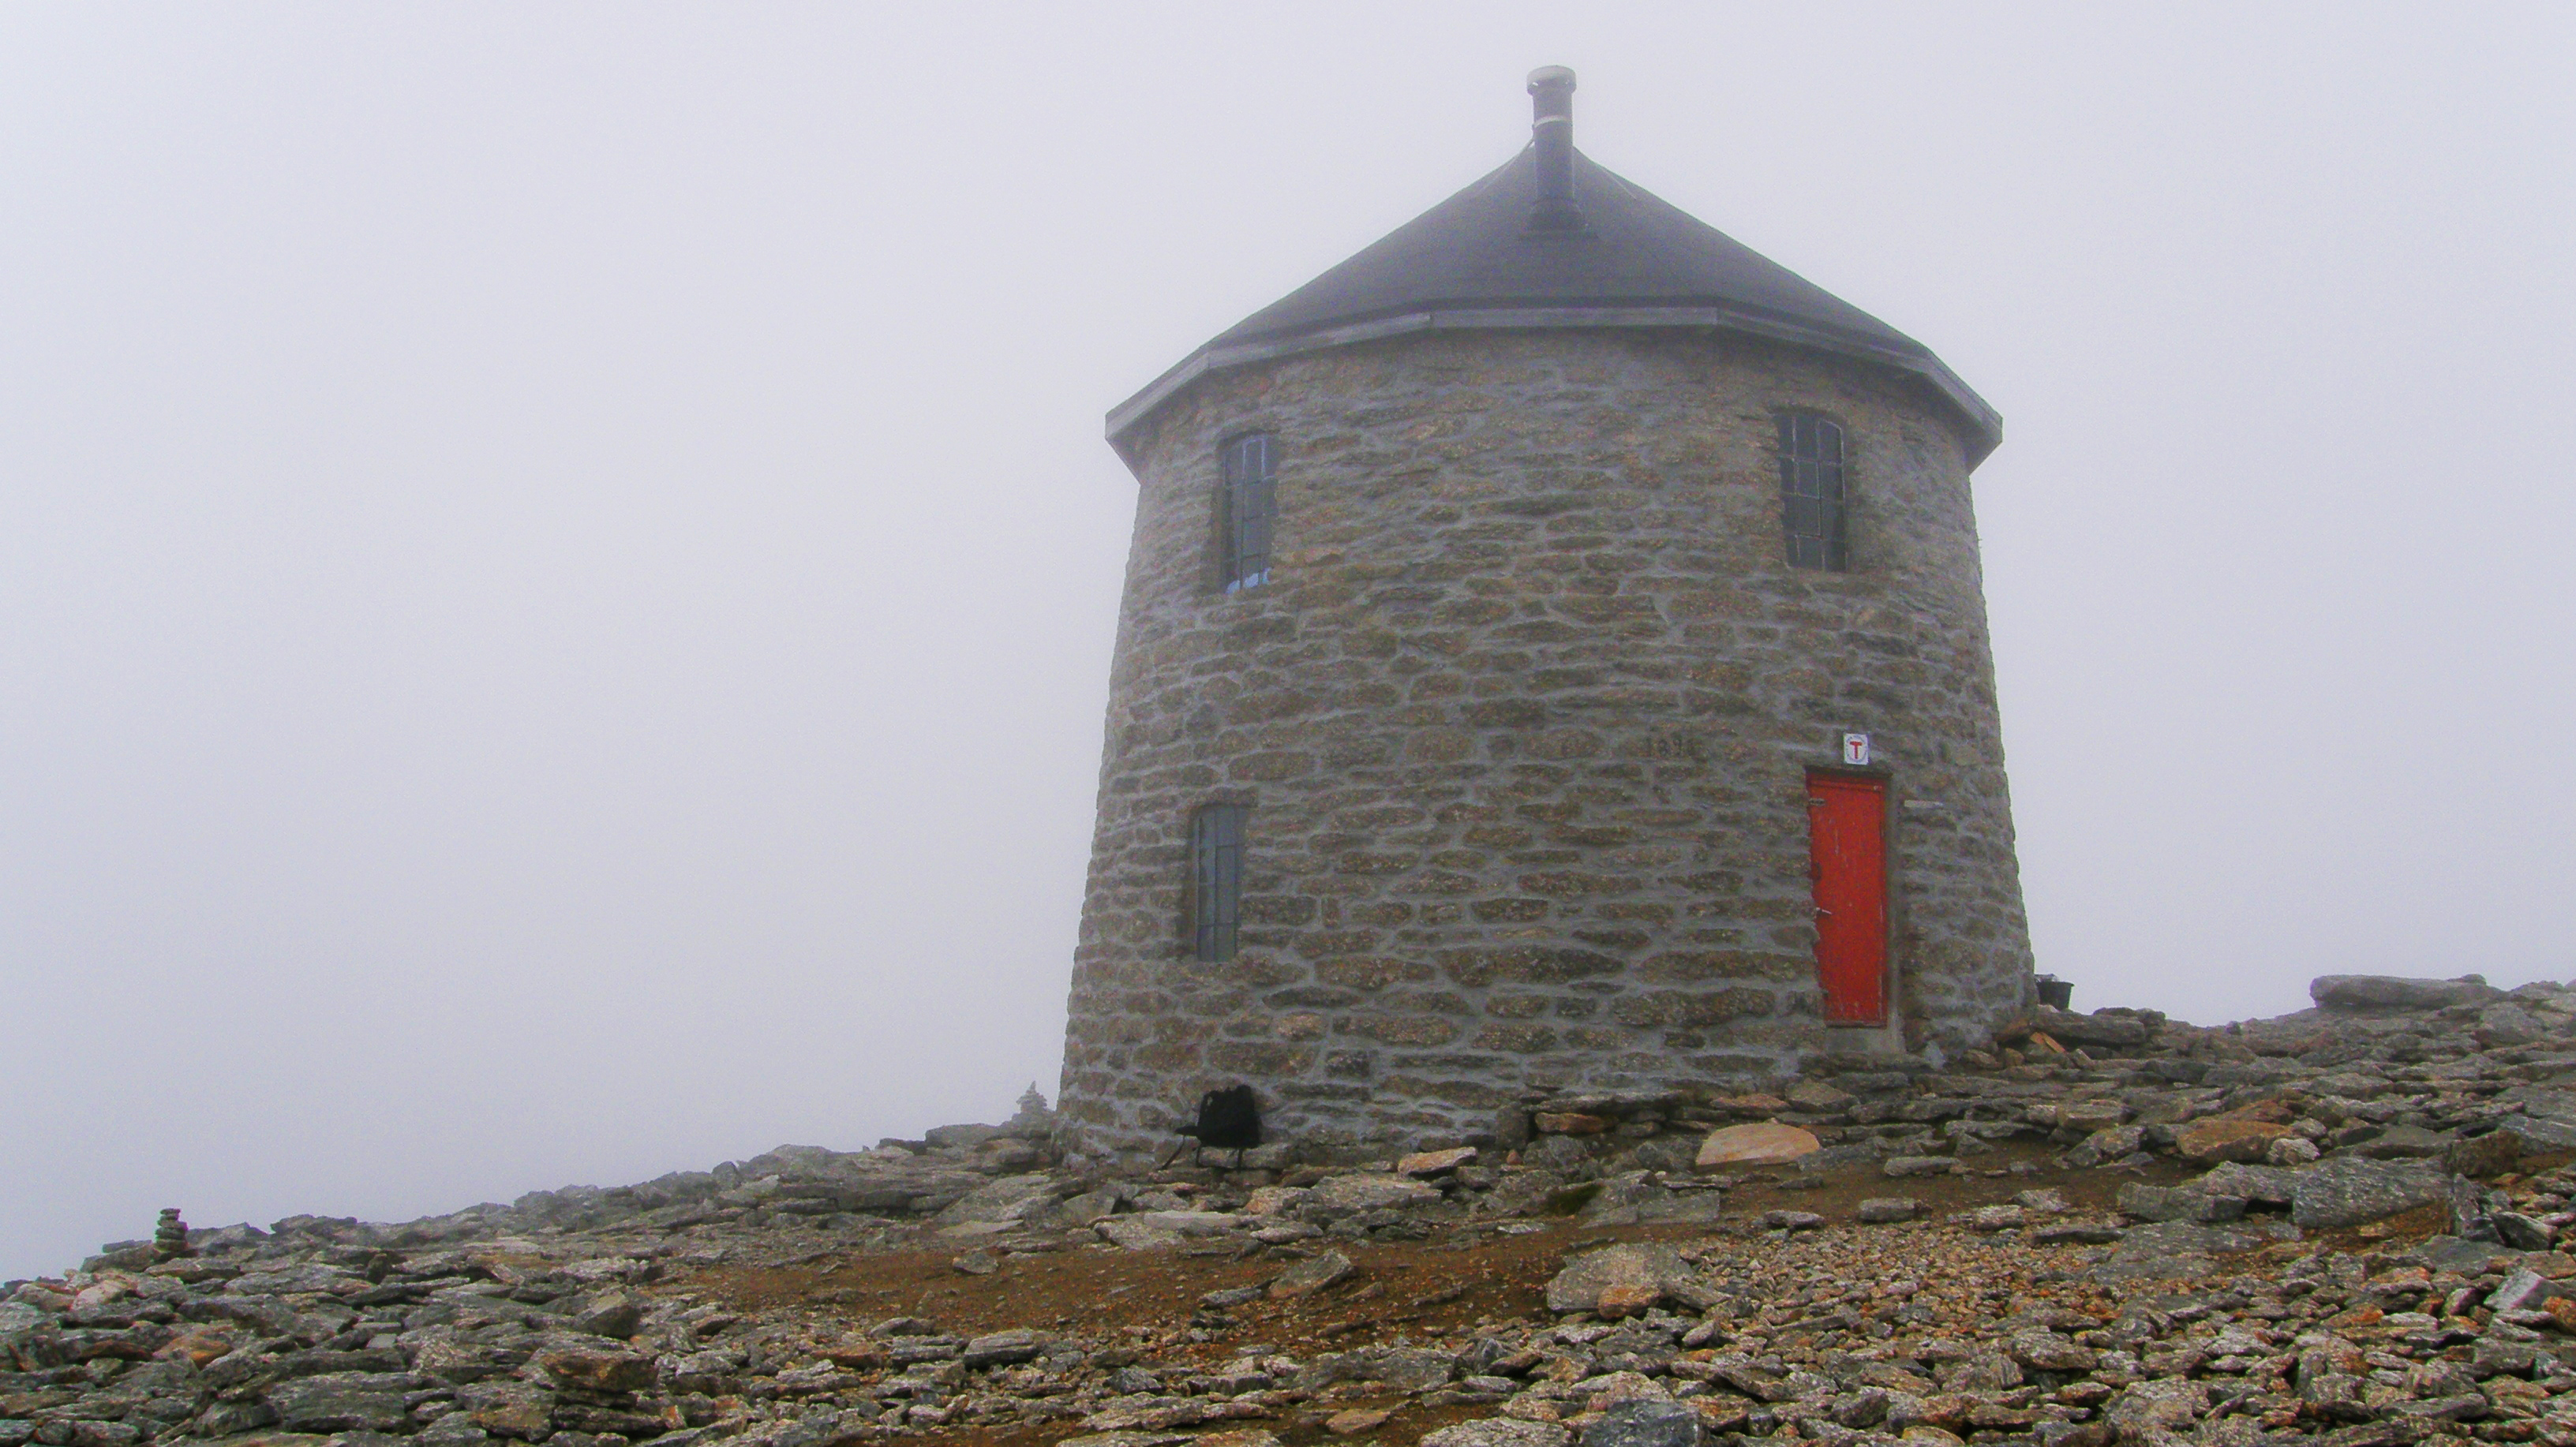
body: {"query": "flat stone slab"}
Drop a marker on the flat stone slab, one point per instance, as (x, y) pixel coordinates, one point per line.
(2271, 1185)
(2351, 1192)
(1500, 1432)
(1372, 1192)
(1005, 1348)
(2178, 1203)
(1432, 1163)
(1010, 1199)
(1570, 1123)
(1762, 1143)
(2407, 1143)
(2068, 1028)
(1274, 1200)
(341, 1402)
(1624, 1269)
(2473, 1258)
(2172, 1249)
(2539, 1100)
(1311, 1275)
(1191, 1223)
(1645, 1422)
(1146, 1230)
(1696, 1207)
(2388, 994)
(2536, 1135)
(2220, 1139)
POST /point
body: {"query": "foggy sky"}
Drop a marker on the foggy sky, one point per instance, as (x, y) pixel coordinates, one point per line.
(557, 565)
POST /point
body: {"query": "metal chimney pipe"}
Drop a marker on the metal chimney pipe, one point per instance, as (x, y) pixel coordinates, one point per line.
(1551, 89)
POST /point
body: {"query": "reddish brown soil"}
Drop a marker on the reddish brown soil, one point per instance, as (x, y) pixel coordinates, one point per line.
(1443, 1286)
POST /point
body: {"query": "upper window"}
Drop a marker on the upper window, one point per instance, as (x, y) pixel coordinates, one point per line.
(1216, 879)
(1811, 491)
(1247, 506)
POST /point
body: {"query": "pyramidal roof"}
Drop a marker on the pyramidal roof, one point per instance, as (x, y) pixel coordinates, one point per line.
(1550, 239)
(1634, 249)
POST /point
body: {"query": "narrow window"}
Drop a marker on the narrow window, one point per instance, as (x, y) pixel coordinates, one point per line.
(1216, 879)
(1811, 491)
(1249, 504)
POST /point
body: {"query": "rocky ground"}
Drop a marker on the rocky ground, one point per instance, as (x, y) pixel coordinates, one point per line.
(2111, 1228)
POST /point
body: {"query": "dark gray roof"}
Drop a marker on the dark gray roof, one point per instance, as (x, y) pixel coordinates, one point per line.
(1475, 250)
(1639, 261)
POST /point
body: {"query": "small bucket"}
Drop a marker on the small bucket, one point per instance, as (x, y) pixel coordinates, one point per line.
(2056, 993)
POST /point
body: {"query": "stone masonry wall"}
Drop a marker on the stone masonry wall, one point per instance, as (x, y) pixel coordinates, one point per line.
(1523, 719)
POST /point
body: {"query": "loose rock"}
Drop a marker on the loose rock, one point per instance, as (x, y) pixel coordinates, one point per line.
(1760, 1144)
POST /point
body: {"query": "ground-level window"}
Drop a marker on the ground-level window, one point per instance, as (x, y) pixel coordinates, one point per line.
(1811, 491)
(1216, 879)
(1248, 506)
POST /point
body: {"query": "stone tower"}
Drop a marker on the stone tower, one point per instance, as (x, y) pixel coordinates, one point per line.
(1553, 658)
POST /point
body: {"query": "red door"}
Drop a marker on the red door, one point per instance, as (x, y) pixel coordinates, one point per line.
(1846, 826)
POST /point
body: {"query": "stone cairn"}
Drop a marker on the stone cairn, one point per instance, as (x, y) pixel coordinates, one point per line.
(169, 1236)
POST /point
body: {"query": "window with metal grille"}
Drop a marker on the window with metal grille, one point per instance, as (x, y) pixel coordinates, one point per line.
(1811, 491)
(1216, 879)
(1249, 505)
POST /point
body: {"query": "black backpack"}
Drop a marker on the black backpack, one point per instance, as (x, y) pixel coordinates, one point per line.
(1229, 1119)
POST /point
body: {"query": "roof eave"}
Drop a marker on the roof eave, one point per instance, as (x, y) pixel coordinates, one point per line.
(1984, 425)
